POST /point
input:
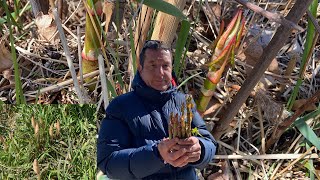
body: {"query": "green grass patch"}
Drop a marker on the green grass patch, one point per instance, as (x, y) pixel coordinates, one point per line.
(67, 153)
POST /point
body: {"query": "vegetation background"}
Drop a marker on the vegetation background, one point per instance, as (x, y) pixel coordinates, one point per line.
(48, 141)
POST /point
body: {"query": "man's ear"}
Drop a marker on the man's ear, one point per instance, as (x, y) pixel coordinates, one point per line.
(139, 68)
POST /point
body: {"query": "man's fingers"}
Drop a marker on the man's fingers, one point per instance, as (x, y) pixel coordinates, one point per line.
(185, 163)
(177, 154)
(193, 159)
(167, 144)
(193, 154)
(181, 161)
(170, 143)
(188, 141)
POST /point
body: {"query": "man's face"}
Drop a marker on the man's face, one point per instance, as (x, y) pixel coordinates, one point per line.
(156, 72)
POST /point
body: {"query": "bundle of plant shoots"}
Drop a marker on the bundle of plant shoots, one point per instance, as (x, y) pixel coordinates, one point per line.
(181, 126)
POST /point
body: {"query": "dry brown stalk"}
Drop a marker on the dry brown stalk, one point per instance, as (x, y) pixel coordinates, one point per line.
(288, 121)
(268, 55)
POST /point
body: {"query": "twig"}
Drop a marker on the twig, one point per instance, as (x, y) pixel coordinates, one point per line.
(314, 21)
(68, 55)
(271, 16)
(103, 81)
(268, 54)
(269, 156)
(288, 121)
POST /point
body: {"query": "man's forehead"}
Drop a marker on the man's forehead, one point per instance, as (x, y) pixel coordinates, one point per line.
(158, 54)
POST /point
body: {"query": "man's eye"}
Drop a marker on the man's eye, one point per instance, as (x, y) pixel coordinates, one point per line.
(166, 66)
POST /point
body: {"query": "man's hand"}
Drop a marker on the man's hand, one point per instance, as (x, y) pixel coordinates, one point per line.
(193, 148)
(171, 155)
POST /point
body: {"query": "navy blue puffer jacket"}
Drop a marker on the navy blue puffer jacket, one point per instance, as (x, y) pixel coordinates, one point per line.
(134, 125)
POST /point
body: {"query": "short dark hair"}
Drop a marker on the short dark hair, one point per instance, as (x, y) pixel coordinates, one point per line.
(151, 44)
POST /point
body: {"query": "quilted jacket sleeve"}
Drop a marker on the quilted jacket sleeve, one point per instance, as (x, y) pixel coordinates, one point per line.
(207, 141)
(115, 155)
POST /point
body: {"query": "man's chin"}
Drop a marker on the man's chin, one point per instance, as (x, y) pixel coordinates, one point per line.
(160, 88)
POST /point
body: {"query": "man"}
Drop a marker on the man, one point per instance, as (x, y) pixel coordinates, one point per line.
(133, 141)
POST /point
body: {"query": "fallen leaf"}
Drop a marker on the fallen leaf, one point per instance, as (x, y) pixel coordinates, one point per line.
(274, 66)
(8, 74)
(47, 27)
(298, 103)
(5, 57)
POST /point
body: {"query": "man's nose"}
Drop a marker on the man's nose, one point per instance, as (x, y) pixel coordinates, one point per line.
(160, 70)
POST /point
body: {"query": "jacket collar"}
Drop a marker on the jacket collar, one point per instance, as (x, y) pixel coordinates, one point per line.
(152, 95)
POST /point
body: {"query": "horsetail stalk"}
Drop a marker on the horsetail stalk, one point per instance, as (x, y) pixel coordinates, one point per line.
(223, 55)
(179, 126)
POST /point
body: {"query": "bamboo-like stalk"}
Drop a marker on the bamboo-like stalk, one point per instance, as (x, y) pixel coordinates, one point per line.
(92, 45)
(225, 47)
(166, 25)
